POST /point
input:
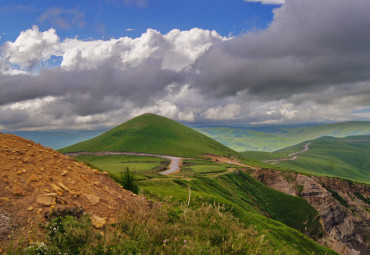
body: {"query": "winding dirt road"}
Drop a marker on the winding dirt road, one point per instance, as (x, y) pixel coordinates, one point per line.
(292, 155)
(173, 167)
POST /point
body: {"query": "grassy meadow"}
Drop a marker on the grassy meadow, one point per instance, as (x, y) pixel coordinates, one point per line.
(283, 221)
(115, 164)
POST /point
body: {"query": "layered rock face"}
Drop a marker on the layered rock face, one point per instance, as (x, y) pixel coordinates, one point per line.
(344, 216)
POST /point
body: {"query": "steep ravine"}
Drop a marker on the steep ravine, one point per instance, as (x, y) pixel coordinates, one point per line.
(341, 204)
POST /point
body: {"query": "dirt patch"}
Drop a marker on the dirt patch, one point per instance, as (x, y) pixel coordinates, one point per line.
(225, 160)
(37, 183)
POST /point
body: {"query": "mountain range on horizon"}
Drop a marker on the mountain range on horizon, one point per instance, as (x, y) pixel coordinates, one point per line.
(260, 138)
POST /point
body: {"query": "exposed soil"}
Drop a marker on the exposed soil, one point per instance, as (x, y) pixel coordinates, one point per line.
(38, 182)
(225, 160)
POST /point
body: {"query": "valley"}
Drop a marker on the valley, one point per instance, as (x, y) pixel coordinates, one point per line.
(274, 138)
(290, 211)
(139, 127)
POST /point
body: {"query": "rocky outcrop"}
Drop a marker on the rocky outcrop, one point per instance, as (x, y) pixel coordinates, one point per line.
(38, 183)
(337, 220)
(344, 216)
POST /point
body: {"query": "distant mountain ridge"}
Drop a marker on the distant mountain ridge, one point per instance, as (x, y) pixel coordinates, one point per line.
(276, 138)
(150, 133)
(58, 139)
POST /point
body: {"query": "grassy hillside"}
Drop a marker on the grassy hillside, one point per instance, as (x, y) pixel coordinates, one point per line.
(250, 201)
(330, 156)
(150, 133)
(272, 139)
(247, 199)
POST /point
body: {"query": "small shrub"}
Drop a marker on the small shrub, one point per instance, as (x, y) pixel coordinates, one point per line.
(69, 235)
(128, 181)
(37, 248)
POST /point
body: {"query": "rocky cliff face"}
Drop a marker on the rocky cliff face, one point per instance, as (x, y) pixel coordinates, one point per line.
(344, 213)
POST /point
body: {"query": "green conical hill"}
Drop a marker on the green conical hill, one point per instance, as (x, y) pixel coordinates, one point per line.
(150, 133)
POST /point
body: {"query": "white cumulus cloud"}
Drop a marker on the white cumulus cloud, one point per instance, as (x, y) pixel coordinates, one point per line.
(31, 47)
(175, 50)
(310, 64)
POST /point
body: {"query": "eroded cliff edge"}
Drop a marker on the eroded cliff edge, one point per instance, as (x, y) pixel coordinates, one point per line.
(342, 205)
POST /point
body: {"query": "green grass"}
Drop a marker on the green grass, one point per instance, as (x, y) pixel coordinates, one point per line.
(202, 167)
(275, 215)
(329, 156)
(161, 229)
(263, 199)
(150, 133)
(118, 163)
(249, 200)
(262, 155)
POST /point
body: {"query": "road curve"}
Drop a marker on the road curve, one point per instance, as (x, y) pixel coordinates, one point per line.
(173, 167)
(275, 161)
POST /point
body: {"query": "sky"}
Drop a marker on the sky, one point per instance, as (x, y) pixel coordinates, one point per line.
(95, 64)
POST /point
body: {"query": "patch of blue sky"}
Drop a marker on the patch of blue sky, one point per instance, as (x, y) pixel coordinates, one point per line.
(104, 19)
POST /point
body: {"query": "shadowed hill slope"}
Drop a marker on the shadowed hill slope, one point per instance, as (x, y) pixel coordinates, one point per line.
(150, 133)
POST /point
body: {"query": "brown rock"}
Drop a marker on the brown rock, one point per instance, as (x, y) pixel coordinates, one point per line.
(92, 198)
(75, 193)
(50, 194)
(64, 172)
(97, 221)
(83, 177)
(33, 178)
(56, 188)
(63, 186)
(45, 200)
(5, 199)
(18, 191)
